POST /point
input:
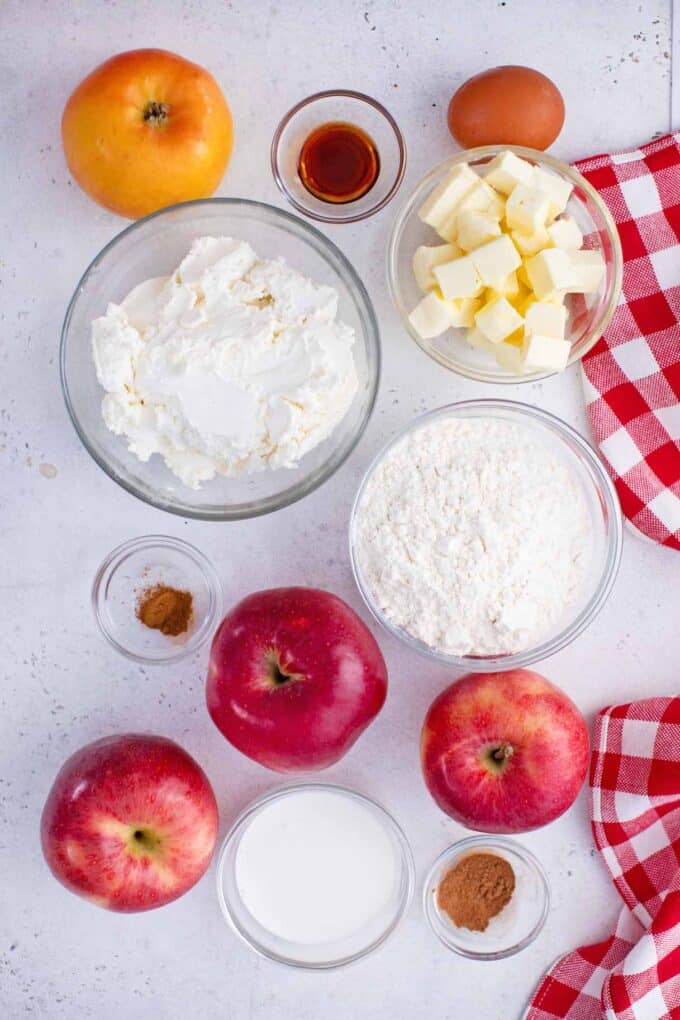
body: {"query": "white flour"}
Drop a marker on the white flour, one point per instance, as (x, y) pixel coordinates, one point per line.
(473, 536)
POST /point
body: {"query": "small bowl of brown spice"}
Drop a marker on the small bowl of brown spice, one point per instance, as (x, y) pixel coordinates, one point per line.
(486, 897)
(156, 598)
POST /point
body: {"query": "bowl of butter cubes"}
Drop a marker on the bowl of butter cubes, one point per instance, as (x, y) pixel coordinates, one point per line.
(505, 264)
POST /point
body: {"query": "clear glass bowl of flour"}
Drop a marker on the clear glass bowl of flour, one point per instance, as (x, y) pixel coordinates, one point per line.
(604, 540)
(315, 876)
(153, 247)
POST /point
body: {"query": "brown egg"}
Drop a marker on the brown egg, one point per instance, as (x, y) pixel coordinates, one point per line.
(507, 106)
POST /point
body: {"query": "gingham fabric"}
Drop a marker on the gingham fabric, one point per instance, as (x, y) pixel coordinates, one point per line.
(635, 805)
(632, 376)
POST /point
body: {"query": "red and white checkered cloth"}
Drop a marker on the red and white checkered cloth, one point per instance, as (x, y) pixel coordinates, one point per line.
(632, 375)
(635, 805)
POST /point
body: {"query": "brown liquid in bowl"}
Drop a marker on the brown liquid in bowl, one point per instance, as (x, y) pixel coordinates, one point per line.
(338, 162)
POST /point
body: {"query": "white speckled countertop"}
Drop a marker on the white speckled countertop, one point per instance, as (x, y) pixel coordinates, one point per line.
(63, 686)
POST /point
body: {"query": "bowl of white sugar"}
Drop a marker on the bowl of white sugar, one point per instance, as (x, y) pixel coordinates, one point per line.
(315, 876)
(487, 535)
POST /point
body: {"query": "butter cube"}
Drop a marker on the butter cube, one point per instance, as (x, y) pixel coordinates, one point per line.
(442, 201)
(463, 311)
(523, 276)
(519, 300)
(480, 198)
(426, 257)
(431, 316)
(525, 304)
(510, 357)
(509, 287)
(476, 228)
(556, 188)
(458, 279)
(587, 272)
(545, 319)
(506, 171)
(495, 260)
(498, 319)
(529, 244)
(551, 270)
(565, 233)
(544, 353)
(483, 198)
(527, 209)
(475, 338)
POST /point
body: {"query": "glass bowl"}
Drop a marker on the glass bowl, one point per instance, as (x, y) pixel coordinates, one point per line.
(153, 247)
(349, 108)
(141, 564)
(607, 531)
(518, 923)
(323, 955)
(588, 318)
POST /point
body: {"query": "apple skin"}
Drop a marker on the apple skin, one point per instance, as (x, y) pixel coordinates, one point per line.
(504, 752)
(130, 822)
(295, 677)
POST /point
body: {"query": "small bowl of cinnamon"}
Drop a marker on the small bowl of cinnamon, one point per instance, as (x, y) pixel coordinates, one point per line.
(486, 897)
(156, 599)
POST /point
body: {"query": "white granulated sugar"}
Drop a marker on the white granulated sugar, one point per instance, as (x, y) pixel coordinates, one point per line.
(473, 536)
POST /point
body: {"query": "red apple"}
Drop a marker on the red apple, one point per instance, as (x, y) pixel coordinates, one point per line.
(294, 678)
(504, 752)
(130, 822)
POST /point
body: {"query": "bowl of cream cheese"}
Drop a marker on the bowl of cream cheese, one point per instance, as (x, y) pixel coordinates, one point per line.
(220, 359)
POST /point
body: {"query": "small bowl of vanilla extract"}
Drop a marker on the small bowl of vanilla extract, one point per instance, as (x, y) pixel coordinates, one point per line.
(338, 156)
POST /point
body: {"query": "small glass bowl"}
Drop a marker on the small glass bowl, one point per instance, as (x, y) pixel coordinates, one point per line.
(326, 956)
(517, 925)
(607, 532)
(589, 317)
(351, 108)
(143, 563)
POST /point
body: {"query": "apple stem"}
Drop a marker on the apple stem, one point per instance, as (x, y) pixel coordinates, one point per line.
(502, 753)
(156, 113)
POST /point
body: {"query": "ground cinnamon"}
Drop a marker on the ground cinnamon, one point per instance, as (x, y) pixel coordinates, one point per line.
(476, 889)
(165, 609)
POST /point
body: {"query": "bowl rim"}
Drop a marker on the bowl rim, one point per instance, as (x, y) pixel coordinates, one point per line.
(114, 559)
(361, 97)
(489, 841)
(541, 158)
(241, 822)
(607, 496)
(272, 503)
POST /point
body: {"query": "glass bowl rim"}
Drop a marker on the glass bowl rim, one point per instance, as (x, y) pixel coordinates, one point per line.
(540, 158)
(371, 336)
(361, 97)
(239, 825)
(606, 492)
(490, 841)
(113, 560)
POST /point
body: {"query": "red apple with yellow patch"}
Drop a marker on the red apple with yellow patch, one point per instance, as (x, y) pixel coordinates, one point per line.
(504, 752)
(130, 822)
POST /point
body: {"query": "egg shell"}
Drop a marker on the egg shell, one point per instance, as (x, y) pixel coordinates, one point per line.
(508, 105)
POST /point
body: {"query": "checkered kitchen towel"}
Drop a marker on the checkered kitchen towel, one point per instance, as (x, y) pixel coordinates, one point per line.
(632, 376)
(635, 805)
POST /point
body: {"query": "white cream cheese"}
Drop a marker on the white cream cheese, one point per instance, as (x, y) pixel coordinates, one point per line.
(232, 364)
